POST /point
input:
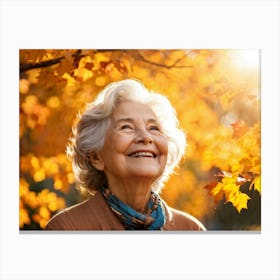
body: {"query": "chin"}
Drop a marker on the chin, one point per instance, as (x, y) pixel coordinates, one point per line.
(149, 174)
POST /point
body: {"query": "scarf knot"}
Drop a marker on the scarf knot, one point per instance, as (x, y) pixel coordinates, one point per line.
(152, 219)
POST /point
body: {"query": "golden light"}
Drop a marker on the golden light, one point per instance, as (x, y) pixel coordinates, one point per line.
(245, 59)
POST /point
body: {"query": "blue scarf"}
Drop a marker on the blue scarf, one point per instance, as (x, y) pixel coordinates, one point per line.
(152, 219)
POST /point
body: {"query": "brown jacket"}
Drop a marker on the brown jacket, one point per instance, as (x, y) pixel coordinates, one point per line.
(95, 214)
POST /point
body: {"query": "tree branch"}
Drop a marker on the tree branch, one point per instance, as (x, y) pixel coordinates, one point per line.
(29, 66)
(174, 65)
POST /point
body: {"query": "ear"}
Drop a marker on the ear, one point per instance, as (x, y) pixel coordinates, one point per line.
(96, 161)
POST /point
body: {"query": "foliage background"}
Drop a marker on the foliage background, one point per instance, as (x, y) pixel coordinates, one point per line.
(216, 94)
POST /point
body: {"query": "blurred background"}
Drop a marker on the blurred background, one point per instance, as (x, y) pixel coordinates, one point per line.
(216, 94)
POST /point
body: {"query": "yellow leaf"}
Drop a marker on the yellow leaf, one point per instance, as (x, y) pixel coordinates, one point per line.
(23, 217)
(60, 203)
(84, 74)
(31, 200)
(70, 178)
(216, 190)
(229, 185)
(24, 86)
(55, 203)
(34, 162)
(224, 100)
(29, 104)
(33, 75)
(53, 102)
(58, 183)
(44, 212)
(43, 115)
(39, 175)
(53, 206)
(31, 123)
(50, 166)
(257, 184)
(71, 82)
(23, 188)
(239, 200)
(236, 167)
(100, 81)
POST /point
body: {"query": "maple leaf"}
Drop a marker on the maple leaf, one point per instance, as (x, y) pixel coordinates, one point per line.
(230, 185)
(210, 186)
(239, 200)
(215, 189)
(217, 192)
(256, 183)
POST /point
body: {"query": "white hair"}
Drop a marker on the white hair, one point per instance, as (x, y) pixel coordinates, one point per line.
(90, 131)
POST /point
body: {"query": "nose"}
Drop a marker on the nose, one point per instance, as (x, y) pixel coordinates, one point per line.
(143, 136)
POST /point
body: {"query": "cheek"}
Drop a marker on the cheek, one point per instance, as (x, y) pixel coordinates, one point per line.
(120, 143)
(163, 145)
(116, 144)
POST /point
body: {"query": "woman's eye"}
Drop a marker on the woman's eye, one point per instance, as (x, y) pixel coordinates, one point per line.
(126, 126)
(154, 127)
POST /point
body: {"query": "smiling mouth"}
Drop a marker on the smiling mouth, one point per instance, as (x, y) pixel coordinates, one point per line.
(142, 154)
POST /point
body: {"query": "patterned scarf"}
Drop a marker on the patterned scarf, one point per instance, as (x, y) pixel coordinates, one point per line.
(152, 219)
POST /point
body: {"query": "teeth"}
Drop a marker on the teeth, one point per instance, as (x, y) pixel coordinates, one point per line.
(142, 154)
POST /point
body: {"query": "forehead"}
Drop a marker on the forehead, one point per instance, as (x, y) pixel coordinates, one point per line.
(132, 109)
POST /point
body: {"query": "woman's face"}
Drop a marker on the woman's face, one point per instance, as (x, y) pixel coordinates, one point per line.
(135, 147)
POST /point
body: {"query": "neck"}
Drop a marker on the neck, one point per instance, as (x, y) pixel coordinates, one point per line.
(135, 194)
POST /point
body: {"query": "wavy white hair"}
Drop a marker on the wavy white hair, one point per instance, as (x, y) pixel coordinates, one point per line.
(90, 131)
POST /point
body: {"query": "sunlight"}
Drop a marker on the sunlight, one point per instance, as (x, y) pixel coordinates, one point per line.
(245, 59)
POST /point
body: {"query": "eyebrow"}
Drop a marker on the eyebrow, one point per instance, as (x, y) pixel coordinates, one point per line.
(130, 120)
(123, 120)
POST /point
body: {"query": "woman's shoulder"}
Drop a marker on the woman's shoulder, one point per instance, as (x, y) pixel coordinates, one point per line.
(68, 218)
(91, 214)
(179, 220)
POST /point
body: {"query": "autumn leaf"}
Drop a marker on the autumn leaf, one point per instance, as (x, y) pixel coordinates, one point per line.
(216, 190)
(239, 200)
(24, 218)
(256, 183)
(89, 65)
(239, 128)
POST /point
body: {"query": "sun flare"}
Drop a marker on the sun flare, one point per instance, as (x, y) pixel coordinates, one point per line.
(245, 59)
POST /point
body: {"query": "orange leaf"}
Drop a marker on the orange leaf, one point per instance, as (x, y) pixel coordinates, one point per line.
(239, 128)
(217, 191)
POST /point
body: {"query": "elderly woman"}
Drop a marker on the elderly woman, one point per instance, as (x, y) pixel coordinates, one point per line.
(123, 149)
